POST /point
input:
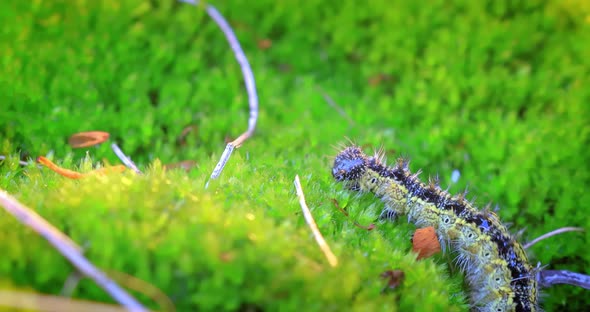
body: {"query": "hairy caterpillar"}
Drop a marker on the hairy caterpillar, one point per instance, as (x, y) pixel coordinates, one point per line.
(495, 264)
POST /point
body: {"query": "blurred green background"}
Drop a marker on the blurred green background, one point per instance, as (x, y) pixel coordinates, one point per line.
(495, 89)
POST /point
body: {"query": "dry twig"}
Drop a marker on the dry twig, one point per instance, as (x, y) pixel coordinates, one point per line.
(124, 158)
(549, 278)
(248, 81)
(313, 226)
(20, 162)
(68, 249)
(552, 233)
(77, 175)
(46, 303)
(335, 106)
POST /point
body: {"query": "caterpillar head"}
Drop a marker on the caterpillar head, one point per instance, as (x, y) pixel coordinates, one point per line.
(349, 166)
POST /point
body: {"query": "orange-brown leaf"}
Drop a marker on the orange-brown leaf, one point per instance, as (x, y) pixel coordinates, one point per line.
(62, 171)
(86, 139)
(425, 242)
(77, 175)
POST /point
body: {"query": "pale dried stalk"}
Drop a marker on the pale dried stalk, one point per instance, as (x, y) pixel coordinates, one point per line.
(335, 106)
(313, 226)
(46, 303)
(248, 81)
(552, 233)
(124, 158)
(68, 249)
(20, 162)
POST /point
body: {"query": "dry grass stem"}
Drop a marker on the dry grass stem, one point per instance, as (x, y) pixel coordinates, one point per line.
(313, 226)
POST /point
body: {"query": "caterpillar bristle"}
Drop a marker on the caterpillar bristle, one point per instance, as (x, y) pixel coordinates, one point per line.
(401, 164)
(465, 192)
(519, 233)
(433, 182)
(432, 186)
(379, 155)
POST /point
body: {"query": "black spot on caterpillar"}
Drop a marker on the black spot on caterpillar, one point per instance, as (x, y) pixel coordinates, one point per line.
(495, 264)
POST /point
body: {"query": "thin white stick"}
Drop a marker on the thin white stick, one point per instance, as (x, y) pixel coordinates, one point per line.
(229, 148)
(20, 162)
(552, 233)
(335, 106)
(68, 249)
(313, 226)
(124, 158)
(248, 81)
(46, 303)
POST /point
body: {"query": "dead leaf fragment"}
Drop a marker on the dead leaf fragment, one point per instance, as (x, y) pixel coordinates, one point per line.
(186, 165)
(369, 227)
(425, 242)
(86, 139)
(335, 202)
(378, 78)
(227, 256)
(394, 278)
(77, 175)
(181, 140)
(62, 171)
(264, 44)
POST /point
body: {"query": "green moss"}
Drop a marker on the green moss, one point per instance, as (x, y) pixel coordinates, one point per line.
(495, 89)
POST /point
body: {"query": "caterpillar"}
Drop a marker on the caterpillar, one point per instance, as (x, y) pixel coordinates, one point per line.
(496, 266)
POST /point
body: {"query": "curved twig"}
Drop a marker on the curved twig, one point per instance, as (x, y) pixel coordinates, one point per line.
(552, 233)
(549, 278)
(248, 81)
(20, 162)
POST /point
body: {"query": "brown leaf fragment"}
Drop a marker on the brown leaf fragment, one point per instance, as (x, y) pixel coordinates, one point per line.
(227, 256)
(425, 242)
(378, 78)
(335, 202)
(87, 139)
(394, 279)
(77, 175)
(181, 140)
(186, 165)
(369, 227)
(264, 44)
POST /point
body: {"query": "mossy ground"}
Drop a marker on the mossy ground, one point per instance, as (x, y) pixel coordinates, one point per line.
(496, 90)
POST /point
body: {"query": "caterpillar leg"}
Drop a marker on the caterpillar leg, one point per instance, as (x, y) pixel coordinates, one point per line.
(388, 214)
